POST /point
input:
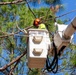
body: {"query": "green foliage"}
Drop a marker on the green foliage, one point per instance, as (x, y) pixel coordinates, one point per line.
(73, 57)
(59, 21)
(47, 17)
(34, 72)
(19, 14)
(10, 43)
(0, 50)
(66, 73)
(64, 62)
(73, 47)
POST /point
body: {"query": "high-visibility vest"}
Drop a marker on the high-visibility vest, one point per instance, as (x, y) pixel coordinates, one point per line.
(42, 26)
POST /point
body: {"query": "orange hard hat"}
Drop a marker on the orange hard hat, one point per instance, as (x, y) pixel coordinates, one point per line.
(36, 22)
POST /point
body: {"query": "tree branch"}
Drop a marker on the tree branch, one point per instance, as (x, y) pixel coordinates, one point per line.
(24, 31)
(13, 61)
(3, 36)
(13, 2)
(14, 67)
(16, 33)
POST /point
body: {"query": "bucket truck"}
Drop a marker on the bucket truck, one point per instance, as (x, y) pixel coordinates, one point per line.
(63, 36)
(39, 44)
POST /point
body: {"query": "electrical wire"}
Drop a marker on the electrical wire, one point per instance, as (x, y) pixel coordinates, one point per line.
(30, 9)
(66, 13)
(52, 67)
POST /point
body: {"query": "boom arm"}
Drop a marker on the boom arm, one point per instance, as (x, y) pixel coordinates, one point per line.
(63, 37)
(39, 45)
(69, 31)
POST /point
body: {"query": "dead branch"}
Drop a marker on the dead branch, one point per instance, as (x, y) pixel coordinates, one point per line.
(13, 61)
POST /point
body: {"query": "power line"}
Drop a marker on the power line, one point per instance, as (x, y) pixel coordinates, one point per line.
(66, 13)
(30, 9)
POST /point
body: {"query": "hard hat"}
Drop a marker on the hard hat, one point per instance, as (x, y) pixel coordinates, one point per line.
(36, 22)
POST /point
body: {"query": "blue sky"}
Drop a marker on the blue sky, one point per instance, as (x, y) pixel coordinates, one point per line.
(68, 6)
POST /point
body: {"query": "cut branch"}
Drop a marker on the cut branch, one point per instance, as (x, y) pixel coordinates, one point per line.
(13, 61)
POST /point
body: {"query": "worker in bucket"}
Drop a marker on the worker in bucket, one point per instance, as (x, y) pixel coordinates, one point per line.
(37, 23)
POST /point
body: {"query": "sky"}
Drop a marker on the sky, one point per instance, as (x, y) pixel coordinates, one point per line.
(69, 5)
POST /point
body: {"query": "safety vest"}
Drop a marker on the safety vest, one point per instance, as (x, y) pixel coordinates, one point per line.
(42, 26)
